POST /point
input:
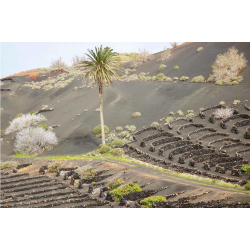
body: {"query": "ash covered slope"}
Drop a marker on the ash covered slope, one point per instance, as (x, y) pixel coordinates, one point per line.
(153, 99)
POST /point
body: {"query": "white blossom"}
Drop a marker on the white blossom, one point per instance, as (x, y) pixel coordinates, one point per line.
(223, 113)
(34, 141)
(24, 121)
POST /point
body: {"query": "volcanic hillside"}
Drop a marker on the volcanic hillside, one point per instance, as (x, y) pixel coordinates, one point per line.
(73, 105)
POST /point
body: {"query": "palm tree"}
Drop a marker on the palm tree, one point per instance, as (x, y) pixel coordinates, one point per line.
(103, 66)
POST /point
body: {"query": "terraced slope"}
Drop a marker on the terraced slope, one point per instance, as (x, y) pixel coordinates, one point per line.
(200, 145)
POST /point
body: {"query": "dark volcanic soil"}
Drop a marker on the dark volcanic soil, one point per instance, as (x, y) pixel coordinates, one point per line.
(153, 99)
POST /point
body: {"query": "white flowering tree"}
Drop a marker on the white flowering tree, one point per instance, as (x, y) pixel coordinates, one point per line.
(24, 121)
(223, 113)
(34, 141)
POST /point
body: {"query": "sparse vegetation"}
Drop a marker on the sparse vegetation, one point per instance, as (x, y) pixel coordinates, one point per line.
(174, 44)
(117, 182)
(97, 130)
(198, 79)
(155, 124)
(118, 143)
(169, 119)
(141, 57)
(236, 102)
(118, 128)
(148, 202)
(32, 112)
(200, 49)
(165, 55)
(131, 187)
(86, 172)
(8, 164)
(52, 168)
(131, 128)
(117, 151)
(180, 113)
(136, 114)
(162, 66)
(184, 78)
(227, 67)
(58, 64)
(171, 113)
(176, 67)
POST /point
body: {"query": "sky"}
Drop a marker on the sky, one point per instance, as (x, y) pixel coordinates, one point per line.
(21, 56)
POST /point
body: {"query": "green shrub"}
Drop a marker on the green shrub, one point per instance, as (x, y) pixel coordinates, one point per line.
(176, 78)
(118, 143)
(148, 78)
(47, 87)
(136, 114)
(235, 82)
(190, 111)
(53, 168)
(171, 113)
(160, 77)
(154, 78)
(19, 115)
(32, 112)
(169, 119)
(117, 182)
(200, 49)
(117, 151)
(198, 79)
(162, 66)
(201, 109)
(132, 128)
(4, 165)
(190, 115)
(131, 187)
(180, 113)
(124, 133)
(86, 172)
(148, 202)
(236, 102)
(167, 79)
(104, 149)
(118, 128)
(222, 103)
(184, 78)
(246, 168)
(155, 124)
(98, 130)
(247, 186)
(176, 67)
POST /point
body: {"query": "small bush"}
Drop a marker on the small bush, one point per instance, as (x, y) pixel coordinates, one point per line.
(200, 49)
(131, 187)
(154, 78)
(19, 115)
(97, 130)
(118, 128)
(118, 143)
(235, 82)
(223, 113)
(32, 112)
(4, 165)
(155, 124)
(165, 55)
(125, 133)
(167, 79)
(136, 114)
(180, 113)
(117, 182)
(117, 151)
(236, 102)
(148, 202)
(228, 65)
(174, 44)
(171, 113)
(86, 172)
(201, 109)
(190, 111)
(141, 57)
(160, 77)
(162, 66)
(169, 119)
(198, 79)
(222, 103)
(219, 82)
(247, 186)
(132, 128)
(53, 168)
(148, 78)
(246, 168)
(47, 87)
(176, 67)
(184, 78)
(104, 149)
(190, 115)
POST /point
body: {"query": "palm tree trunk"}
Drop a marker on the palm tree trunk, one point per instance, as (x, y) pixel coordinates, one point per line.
(101, 114)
